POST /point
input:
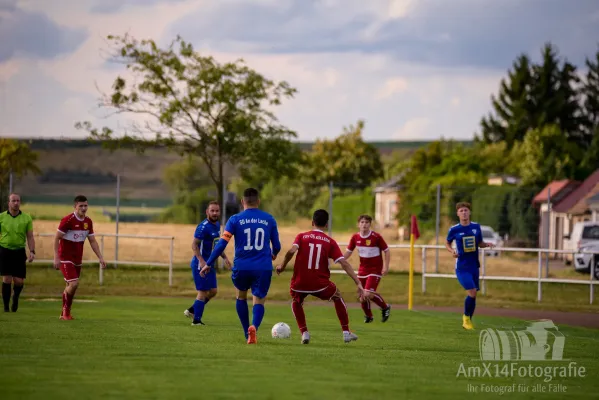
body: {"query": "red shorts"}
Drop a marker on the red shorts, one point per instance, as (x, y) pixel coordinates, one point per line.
(70, 271)
(370, 283)
(325, 294)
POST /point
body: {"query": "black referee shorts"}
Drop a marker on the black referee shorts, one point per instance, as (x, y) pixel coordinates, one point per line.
(13, 262)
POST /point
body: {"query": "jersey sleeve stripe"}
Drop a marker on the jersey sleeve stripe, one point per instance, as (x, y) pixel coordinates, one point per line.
(351, 251)
(295, 244)
(339, 259)
(60, 231)
(387, 249)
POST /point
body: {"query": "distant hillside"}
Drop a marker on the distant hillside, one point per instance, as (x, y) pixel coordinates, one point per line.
(70, 167)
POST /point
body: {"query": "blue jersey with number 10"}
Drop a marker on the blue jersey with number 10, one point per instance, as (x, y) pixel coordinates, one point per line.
(254, 231)
(467, 238)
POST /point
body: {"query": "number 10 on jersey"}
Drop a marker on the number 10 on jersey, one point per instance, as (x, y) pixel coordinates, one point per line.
(258, 239)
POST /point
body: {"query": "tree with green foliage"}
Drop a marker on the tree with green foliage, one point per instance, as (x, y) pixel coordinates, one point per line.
(590, 94)
(512, 106)
(532, 96)
(17, 158)
(221, 113)
(549, 155)
(345, 160)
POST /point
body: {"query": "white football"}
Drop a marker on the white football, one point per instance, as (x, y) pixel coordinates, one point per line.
(281, 331)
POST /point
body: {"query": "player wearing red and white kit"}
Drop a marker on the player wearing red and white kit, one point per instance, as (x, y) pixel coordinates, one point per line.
(311, 274)
(68, 250)
(371, 247)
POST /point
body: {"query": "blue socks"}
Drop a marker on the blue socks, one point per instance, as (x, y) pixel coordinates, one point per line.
(469, 306)
(198, 310)
(244, 315)
(258, 315)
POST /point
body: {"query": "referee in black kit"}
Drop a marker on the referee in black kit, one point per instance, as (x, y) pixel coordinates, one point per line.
(16, 228)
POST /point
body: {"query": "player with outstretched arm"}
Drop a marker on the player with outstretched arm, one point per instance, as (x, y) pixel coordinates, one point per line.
(311, 274)
(254, 231)
(468, 239)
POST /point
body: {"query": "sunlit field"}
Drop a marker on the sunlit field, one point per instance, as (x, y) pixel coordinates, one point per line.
(144, 348)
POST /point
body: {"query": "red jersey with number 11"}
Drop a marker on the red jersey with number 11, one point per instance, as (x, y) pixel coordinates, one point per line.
(311, 270)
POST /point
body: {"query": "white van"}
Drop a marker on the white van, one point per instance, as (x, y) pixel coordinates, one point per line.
(583, 234)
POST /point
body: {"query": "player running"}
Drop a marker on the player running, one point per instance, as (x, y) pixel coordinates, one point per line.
(204, 239)
(254, 231)
(68, 250)
(370, 247)
(468, 239)
(311, 274)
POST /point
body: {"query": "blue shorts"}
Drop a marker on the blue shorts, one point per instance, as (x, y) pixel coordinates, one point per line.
(468, 279)
(203, 284)
(257, 280)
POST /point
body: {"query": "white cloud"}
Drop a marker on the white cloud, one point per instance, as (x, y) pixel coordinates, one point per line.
(391, 87)
(414, 129)
(396, 85)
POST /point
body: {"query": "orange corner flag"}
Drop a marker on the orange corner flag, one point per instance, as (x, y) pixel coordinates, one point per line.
(414, 227)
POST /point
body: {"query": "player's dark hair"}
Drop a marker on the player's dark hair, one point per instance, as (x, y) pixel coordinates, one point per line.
(250, 196)
(366, 217)
(463, 204)
(320, 218)
(79, 199)
(212, 203)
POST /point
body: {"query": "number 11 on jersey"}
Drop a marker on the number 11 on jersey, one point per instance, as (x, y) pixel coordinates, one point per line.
(310, 258)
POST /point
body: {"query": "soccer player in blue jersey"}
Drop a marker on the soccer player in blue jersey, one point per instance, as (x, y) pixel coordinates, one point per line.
(468, 238)
(204, 239)
(254, 231)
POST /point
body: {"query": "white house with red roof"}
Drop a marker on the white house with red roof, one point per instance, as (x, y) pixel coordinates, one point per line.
(562, 204)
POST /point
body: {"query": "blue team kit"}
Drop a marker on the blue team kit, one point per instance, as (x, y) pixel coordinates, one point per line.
(208, 234)
(254, 230)
(467, 239)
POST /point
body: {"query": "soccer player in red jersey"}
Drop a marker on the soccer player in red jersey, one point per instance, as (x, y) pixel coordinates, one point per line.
(371, 247)
(68, 250)
(311, 274)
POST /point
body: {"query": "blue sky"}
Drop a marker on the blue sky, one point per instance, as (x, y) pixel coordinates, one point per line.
(412, 69)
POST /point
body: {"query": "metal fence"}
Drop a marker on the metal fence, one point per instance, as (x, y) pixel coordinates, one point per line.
(44, 252)
(542, 274)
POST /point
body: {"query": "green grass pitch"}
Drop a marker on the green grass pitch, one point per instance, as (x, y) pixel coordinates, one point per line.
(144, 348)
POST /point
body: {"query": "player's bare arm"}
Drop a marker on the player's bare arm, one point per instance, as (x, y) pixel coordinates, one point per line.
(195, 246)
(31, 244)
(450, 249)
(387, 261)
(288, 256)
(227, 261)
(347, 254)
(350, 271)
(96, 248)
(483, 245)
(57, 239)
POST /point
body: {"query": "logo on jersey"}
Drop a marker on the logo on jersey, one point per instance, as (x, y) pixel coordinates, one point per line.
(214, 242)
(469, 244)
(474, 231)
(368, 242)
(85, 226)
